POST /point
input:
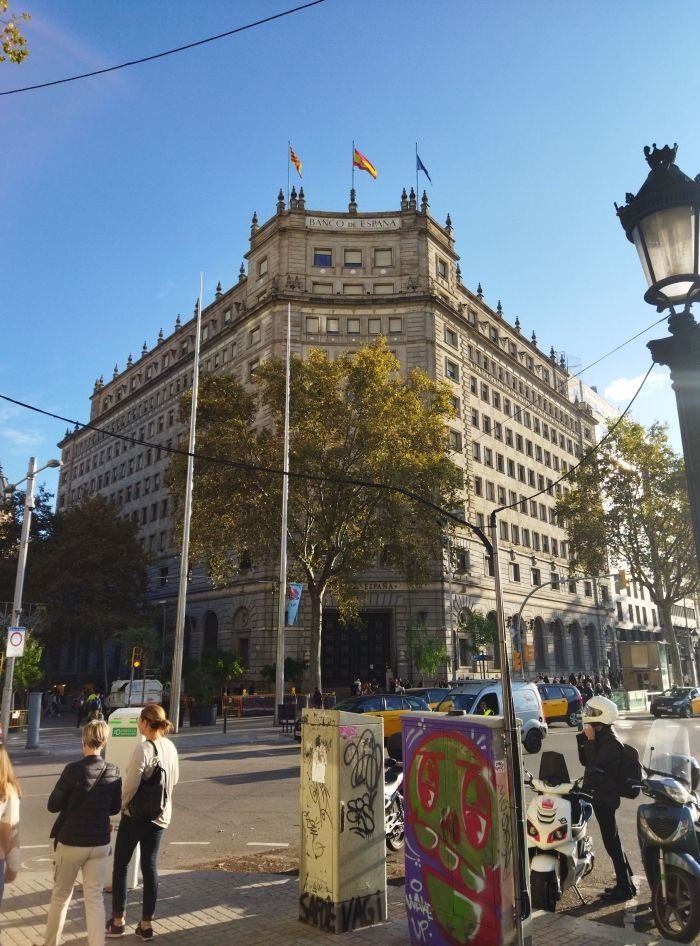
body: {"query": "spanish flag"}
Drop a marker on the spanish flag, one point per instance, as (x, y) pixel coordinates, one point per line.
(295, 160)
(361, 162)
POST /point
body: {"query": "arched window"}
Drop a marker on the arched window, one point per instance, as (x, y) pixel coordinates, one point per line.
(540, 644)
(577, 641)
(211, 632)
(559, 648)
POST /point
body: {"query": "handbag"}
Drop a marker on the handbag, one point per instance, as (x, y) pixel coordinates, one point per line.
(77, 801)
(152, 794)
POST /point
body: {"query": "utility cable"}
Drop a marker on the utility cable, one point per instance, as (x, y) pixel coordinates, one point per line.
(168, 52)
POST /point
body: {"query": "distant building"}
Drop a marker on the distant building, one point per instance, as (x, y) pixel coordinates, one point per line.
(351, 277)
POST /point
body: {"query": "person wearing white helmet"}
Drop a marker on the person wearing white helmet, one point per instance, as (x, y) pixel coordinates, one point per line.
(600, 751)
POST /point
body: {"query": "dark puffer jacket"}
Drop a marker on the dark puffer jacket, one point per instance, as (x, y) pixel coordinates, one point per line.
(87, 801)
(602, 757)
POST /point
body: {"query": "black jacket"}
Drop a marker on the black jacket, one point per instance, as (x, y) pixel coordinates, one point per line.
(602, 757)
(85, 803)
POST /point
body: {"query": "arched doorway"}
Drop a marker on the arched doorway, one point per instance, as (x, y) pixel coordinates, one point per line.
(540, 642)
(592, 635)
(211, 632)
(559, 646)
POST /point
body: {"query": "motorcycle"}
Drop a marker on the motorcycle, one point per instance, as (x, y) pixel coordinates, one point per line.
(668, 829)
(559, 846)
(394, 824)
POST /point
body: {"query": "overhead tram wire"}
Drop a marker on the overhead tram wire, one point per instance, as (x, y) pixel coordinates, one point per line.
(168, 52)
(313, 477)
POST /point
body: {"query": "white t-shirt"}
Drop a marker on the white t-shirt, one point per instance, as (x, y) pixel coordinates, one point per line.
(9, 814)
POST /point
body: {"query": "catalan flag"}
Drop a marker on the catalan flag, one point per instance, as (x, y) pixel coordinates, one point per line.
(361, 162)
(295, 160)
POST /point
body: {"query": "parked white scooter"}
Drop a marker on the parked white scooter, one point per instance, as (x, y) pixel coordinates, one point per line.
(559, 846)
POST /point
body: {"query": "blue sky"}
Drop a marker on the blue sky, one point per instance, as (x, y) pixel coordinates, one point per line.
(530, 117)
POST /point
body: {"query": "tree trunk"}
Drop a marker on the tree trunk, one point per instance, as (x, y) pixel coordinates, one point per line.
(670, 638)
(315, 648)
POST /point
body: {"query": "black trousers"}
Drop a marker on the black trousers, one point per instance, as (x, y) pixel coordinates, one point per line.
(613, 845)
(133, 831)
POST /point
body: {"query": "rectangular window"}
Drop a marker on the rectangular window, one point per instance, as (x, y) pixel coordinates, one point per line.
(536, 541)
(500, 463)
(262, 267)
(322, 288)
(488, 456)
(383, 258)
(485, 393)
(353, 289)
(478, 486)
(514, 571)
(515, 535)
(353, 326)
(457, 405)
(352, 258)
(526, 538)
(451, 337)
(476, 450)
(323, 256)
(486, 423)
(536, 576)
(501, 492)
(451, 370)
(490, 491)
(312, 324)
(395, 325)
(504, 530)
(498, 431)
(455, 440)
(383, 288)
(441, 267)
(374, 326)
(332, 326)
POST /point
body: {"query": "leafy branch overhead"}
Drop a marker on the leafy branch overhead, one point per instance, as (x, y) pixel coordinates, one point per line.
(14, 43)
(354, 418)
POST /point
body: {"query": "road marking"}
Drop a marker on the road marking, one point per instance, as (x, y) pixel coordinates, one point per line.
(173, 843)
(266, 844)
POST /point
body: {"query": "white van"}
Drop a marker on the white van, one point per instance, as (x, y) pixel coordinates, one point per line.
(478, 696)
(125, 693)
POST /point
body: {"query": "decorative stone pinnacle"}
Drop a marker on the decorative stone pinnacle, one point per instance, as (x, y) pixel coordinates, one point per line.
(116, 371)
(534, 339)
(280, 201)
(479, 292)
(129, 361)
(302, 200)
(144, 349)
(517, 325)
(160, 337)
(499, 309)
(241, 273)
(448, 224)
(424, 205)
(218, 290)
(178, 322)
(552, 354)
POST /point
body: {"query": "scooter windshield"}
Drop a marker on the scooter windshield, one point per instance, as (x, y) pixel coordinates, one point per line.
(667, 751)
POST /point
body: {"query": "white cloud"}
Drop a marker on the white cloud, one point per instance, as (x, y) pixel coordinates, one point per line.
(622, 390)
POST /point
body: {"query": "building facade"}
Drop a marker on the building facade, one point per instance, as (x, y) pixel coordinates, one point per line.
(351, 277)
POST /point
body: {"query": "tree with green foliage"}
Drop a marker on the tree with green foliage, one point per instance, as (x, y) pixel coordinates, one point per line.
(428, 653)
(223, 667)
(28, 673)
(92, 575)
(354, 418)
(629, 500)
(13, 44)
(11, 517)
(482, 633)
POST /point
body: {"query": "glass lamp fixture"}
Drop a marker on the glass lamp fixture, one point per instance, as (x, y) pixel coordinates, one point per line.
(663, 222)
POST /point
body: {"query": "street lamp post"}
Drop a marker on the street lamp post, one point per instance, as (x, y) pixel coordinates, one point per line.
(663, 222)
(7, 691)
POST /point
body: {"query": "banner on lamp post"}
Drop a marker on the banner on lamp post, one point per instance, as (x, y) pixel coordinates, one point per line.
(294, 590)
(16, 636)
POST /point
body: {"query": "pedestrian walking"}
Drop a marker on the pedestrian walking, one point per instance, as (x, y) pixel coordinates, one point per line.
(600, 751)
(87, 793)
(10, 794)
(141, 823)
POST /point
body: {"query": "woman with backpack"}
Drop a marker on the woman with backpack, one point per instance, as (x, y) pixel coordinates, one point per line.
(601, 752)
(86, 794)
(153, 765)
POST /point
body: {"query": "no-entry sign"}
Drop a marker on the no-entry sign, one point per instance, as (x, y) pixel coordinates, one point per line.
(15, 641)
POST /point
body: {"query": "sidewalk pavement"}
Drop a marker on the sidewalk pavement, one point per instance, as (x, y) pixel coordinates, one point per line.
(213, 908)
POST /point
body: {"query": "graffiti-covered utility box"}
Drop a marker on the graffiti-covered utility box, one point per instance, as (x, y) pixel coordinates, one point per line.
(342, 869)
(459, 831)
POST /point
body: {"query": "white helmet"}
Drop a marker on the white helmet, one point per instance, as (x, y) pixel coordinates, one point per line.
(599, 709)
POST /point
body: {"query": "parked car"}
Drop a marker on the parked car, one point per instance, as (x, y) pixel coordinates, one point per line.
(431, 695)
(390, 706)
(478, 696)
(562, 703)
(676, 701)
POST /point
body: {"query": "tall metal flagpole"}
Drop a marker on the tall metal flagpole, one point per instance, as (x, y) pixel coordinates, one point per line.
(416, 170)
(279, 668)
(289, 151)
(176, 676)
(352, 185)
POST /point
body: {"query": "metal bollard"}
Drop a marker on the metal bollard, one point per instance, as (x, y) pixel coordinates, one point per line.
(33, 721)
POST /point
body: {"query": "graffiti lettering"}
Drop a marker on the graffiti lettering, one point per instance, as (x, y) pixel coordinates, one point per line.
(506, 835)
(420, 929)
(314, 819)
(364, 758)
(342, 917)
(317, 911)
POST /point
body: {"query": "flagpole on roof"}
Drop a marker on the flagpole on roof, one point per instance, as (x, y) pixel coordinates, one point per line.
(352, 184)
(289, 156)
(279, 667)
(416, 170)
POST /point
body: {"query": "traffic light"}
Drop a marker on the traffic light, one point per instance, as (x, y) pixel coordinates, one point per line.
(136, 657)
(517, 660)
(529, 653)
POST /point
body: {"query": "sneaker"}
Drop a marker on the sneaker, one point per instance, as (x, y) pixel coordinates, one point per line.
(143, 933)
(112, 930)
(619, 894)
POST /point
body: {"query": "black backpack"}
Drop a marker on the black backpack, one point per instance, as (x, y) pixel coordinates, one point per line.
(629, 774)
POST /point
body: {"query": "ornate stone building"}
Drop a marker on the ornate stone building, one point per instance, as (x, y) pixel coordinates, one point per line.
(351, 277)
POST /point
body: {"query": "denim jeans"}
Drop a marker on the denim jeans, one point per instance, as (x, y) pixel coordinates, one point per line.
(133, 831)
